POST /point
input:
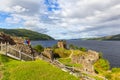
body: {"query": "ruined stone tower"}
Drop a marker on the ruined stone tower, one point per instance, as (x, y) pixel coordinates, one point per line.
(48, 52)
(61, 44)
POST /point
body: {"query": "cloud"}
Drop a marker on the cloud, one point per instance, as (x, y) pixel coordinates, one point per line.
(15, 9)
(12, 20)
(86, 17)
(65, 18)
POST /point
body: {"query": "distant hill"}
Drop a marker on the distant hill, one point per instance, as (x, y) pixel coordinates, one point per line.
(112, 37)
(32, 35)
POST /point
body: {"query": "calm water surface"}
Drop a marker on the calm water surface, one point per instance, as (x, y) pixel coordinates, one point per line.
(110, 49)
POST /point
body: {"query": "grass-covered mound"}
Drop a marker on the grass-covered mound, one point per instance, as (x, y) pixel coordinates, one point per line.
(114, 74)
(64, 53)
(68, 62)
(102, 68)
(32, 70)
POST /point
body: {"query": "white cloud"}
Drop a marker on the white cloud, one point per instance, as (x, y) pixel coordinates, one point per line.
(13, 20)
(81, 18)
(15, 9)
(31, 23)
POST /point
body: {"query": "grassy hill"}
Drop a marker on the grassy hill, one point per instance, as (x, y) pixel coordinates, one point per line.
(31, 70)
(112, 37)
(26, 33)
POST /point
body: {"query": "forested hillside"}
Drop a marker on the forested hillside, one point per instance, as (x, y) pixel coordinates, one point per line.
(26, 33)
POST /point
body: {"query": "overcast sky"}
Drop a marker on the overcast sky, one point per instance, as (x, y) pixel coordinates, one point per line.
(62, 19)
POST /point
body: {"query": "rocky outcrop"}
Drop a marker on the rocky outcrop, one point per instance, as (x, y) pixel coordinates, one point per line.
(87, 61)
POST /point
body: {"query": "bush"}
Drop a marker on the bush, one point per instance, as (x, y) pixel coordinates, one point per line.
(101, 65)
(108, 76)
(83, 49)
(38, 48)
(115, 69)
(100, 55)
(71, 46)
(55, 46)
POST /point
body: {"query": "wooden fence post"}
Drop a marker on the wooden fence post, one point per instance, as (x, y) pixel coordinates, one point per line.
(6, 48)
(33, 57)
(20, 55)
(1, 46)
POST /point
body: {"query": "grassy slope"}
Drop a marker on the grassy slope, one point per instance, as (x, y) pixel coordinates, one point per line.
(114, 74)
(32, 70)
(102, 67)
(26, 33)
(67, 62)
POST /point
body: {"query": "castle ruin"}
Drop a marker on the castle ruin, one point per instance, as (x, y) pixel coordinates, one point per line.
(62, 44)
(87, 61)
(48, 52)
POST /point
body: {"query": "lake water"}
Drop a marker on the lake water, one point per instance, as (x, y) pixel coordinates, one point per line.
(110, 49)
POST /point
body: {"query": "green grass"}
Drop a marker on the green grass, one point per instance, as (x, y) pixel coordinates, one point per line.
(101, 66)
(63, 53)
(67, 62)
(32, 70)
(114, 74)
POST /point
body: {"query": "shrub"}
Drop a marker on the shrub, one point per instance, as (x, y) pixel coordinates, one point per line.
(108, 76)
(100, 55)
(38, 48)
(83, 49)
(71, 46)
(115, 69)
(101, 65)
(55, 46)
(114, 74)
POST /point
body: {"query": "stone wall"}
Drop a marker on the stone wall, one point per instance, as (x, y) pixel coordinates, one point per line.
(23, 48)
(16, 42)
(87, 61)
(4, 38)
(48, 52)
(61, 44)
